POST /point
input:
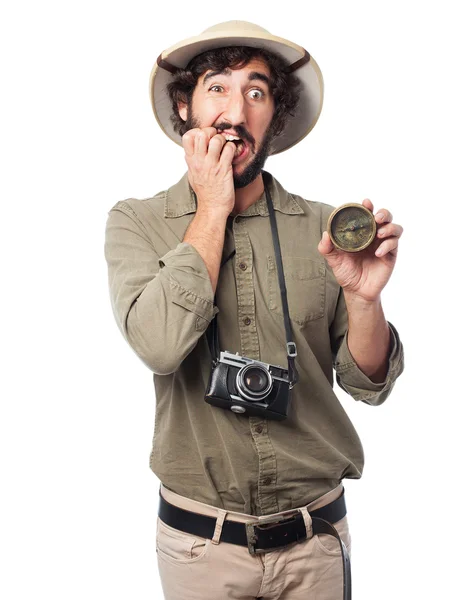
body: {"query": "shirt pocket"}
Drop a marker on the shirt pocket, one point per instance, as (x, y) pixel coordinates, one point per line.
(305, 283)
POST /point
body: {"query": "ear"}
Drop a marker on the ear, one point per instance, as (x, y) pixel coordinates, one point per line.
(183, 110)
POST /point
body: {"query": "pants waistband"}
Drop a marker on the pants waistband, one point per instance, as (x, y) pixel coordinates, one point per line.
(212, 511)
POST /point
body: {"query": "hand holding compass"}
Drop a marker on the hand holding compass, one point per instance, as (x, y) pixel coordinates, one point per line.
(361, 248)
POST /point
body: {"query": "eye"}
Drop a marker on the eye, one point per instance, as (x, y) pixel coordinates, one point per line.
(216, 88)
(256, 94)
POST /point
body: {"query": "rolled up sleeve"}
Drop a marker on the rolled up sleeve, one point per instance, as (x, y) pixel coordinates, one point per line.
(162, 301)
(189, 280)
(353, 381)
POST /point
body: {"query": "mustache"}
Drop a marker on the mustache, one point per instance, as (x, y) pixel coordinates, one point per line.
(240, 130)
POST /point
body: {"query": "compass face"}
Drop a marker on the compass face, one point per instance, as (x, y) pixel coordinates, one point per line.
(351, 227)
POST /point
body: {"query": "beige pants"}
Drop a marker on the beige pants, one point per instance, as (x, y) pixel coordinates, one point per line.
(194, 568)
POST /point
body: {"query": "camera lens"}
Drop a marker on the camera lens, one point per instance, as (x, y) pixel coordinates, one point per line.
(254, 382)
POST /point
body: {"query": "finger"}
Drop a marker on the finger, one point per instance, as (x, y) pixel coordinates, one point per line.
(201, 143)
(390, 230)
(215, 147)
(227, 154)
(368, 204)
(188, 140)
(326, 245)
(209, 131)
(389, 246)
(383, 216)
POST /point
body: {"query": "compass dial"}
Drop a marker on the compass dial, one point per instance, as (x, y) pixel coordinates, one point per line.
(351, 227)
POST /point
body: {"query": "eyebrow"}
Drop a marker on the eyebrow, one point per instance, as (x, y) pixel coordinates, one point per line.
(253, 76)
(211, 74)
(261, 76)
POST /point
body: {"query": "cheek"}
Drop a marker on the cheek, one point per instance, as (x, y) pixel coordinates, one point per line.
(210, 114)
(262, 124)
(204, 109)
(265, 117)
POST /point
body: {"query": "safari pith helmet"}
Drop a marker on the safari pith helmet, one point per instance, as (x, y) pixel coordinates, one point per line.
(242, 33)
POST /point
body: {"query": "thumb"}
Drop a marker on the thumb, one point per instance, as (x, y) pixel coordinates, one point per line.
(326, 245)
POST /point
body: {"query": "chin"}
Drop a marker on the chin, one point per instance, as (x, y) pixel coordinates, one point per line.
(243, 178)
(248, 174)
(254, 167)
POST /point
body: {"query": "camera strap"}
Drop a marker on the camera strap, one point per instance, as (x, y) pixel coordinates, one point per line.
(212, 330)
(212, 333)
(291, 347)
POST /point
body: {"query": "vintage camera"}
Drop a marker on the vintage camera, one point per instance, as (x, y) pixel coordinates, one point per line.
(249, 387)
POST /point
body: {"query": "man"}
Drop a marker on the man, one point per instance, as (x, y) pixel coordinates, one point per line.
(231, 97)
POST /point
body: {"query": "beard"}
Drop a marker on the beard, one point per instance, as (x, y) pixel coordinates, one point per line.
(254, 168)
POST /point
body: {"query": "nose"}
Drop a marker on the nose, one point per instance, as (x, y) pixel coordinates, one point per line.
(234, 112)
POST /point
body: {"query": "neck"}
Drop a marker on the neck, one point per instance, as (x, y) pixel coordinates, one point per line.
(248, 195)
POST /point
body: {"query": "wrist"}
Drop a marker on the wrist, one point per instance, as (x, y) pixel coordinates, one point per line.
(358, 302)
(213, 213)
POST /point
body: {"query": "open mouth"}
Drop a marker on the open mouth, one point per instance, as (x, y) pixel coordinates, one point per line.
(240, 146)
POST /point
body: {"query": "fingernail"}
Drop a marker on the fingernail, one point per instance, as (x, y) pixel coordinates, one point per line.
(380, 217)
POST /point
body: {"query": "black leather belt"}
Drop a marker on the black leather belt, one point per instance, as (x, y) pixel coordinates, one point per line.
(271, 534)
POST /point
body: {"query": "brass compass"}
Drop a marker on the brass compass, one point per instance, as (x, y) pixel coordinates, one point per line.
(351, 227)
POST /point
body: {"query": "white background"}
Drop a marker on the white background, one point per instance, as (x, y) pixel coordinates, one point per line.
(79, 502)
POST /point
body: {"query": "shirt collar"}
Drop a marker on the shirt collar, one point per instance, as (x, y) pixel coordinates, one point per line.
(181, 200)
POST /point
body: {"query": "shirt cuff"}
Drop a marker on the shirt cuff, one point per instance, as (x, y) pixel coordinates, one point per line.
(357, 384)
(190, 284)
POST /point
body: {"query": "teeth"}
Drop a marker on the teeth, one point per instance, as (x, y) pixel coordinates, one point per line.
(238, 151)
(230, 138)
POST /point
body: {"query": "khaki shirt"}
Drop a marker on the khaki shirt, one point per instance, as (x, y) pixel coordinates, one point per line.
(162, 300)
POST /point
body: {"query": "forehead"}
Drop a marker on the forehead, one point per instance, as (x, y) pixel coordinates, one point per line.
(255, 65)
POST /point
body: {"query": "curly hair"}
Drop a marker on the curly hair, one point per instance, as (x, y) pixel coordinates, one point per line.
(284, 85)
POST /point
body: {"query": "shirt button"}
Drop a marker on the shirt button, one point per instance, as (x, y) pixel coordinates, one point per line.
(247, 321)
(242, 266)
(259, 429)
(267, 481)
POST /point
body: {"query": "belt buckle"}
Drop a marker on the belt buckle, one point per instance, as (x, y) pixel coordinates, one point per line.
(270, 522)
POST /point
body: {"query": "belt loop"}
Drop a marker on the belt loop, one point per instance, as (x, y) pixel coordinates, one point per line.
(218, 526)
(307, 521)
